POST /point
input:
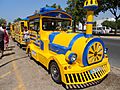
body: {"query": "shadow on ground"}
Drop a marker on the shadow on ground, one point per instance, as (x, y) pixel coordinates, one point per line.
(12, 61)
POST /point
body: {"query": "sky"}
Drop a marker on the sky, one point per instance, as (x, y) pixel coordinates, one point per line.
(12, 9)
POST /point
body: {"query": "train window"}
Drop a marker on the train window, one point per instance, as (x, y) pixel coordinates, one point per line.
(55, 24)
(31, 25)
(34, 24)
(22, 26)
(13, 27)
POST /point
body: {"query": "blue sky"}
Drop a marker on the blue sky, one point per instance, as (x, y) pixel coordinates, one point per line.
(11, 9)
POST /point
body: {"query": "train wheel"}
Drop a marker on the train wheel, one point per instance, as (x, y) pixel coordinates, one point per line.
(55, 72)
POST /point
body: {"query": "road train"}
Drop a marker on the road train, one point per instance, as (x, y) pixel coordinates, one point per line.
(70, 58)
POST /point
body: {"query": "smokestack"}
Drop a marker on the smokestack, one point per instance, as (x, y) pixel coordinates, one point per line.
(90, 6)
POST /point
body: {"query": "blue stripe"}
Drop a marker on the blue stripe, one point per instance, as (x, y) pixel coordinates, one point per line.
(52, 36)
(32, 39)
(32, 35)
(93, 7)
(58, 48)
(74, 39)
(41, 44)
(89, 22)
(88, 35)
(36, 44)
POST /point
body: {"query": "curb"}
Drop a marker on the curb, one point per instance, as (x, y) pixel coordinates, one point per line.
(110, 37)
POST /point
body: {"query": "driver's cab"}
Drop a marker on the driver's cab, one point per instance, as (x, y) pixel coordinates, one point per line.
(48, 21)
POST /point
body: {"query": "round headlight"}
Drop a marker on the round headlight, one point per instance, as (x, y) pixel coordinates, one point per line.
(72, 58)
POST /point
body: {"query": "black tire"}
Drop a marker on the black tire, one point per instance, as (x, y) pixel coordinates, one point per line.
(29, 54)
(55, 72)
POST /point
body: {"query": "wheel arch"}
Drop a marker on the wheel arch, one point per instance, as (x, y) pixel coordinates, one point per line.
(59, 59)
(49, 65)
(85, 53)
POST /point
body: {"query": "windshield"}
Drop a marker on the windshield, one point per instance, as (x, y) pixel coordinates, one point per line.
(55, 24)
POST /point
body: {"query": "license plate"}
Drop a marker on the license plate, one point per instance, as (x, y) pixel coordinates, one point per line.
(95, 70)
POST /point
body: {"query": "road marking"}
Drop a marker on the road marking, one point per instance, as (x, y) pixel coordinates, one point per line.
(4, 75)
(21, 85)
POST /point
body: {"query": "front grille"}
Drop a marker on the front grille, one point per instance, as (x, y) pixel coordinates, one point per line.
(87, 76)
(82, 86)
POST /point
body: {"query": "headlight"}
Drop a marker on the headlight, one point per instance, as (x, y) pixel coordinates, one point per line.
(72, 58)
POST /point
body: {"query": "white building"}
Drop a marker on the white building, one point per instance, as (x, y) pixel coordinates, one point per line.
(99, 22)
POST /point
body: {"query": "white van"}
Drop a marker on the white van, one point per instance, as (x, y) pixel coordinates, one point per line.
(101, 30)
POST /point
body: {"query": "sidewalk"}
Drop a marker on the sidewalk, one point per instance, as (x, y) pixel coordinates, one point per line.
(111, 37)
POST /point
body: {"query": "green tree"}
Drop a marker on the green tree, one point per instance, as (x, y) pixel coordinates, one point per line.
(119, 24)
(113, 6)
(54, 6)
(106, 23)
(9, 24)
(75, 8)
(110, 24)
(17, 19)
(94, 24)
(2, 21)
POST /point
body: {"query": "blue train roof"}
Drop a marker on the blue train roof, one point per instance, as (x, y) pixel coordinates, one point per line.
(25, 19)
(53, 12)
(49, 9)
(46, 9)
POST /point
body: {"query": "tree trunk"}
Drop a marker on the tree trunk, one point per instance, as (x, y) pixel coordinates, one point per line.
(74, 25)
(116, 26)
(82, 26)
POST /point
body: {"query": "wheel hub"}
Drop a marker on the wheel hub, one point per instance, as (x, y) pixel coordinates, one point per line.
(95, 53)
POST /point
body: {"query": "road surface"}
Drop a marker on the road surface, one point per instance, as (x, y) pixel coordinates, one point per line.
(113, 46)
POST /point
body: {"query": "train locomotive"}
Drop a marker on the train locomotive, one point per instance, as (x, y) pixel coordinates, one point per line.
(71, 58)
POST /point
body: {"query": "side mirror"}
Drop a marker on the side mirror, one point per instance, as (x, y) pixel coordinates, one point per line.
(106, 50)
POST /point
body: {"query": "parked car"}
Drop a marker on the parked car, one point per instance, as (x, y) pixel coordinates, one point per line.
(101, 30)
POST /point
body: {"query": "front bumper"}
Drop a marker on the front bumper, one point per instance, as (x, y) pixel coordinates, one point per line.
(82, 75)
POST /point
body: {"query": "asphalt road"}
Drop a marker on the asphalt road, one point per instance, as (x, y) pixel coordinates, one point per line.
(18, 72)
(113, 46)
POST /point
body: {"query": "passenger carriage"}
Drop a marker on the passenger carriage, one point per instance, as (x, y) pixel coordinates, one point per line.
(18, 31)
(12, 32)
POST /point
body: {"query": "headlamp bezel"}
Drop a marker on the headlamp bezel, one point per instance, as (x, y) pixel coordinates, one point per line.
(72, 58)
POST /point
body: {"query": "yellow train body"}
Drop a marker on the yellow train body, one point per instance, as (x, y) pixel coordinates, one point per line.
(79, 59)
(18, 31)
(12, 32)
